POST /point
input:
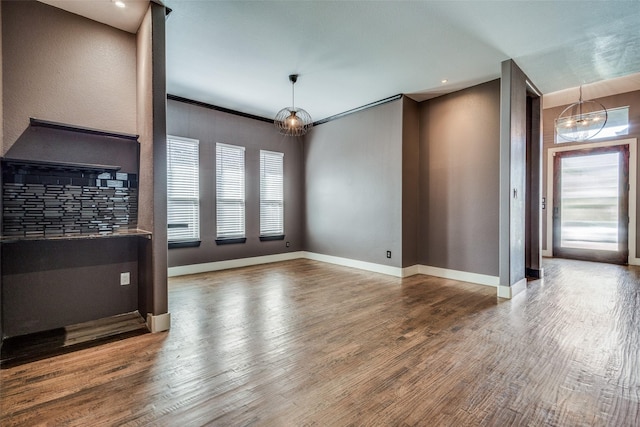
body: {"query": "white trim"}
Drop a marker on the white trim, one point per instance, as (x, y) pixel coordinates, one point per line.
(463, 276)
(509, 292)
(633, 170)
(159, 323)
(411, 270)
(362, 265)
(183, 270)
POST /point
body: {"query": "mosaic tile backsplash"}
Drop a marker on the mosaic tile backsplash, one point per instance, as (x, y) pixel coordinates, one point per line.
(50, 202)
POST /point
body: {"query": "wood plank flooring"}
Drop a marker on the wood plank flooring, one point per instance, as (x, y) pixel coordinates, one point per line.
(302, 343)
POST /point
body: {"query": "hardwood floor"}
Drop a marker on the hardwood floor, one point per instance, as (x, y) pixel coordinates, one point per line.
(306, 343)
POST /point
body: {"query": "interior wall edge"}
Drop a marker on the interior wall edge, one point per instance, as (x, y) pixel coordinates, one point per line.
(509, 292)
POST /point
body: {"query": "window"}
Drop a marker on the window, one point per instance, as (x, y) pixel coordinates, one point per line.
(271, 194)
(183, 190)
(230, 193)
(617, 125)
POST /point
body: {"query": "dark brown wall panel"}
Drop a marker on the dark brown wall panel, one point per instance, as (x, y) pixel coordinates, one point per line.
(51, 284)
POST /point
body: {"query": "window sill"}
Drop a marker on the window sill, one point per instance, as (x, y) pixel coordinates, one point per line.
(186, 244)
(231, 241)
(274, 237)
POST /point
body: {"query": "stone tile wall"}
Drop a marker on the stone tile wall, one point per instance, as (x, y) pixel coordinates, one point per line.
(54, 202)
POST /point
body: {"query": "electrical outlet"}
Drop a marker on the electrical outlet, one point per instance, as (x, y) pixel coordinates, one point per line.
(388, 254)
(287, 244)
(125, 278)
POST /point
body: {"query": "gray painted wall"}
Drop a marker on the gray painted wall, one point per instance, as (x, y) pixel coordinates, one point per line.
(459, 179)
(353, 176)
(631, 99)
(410, 181)
(211, 126)
(62, 67)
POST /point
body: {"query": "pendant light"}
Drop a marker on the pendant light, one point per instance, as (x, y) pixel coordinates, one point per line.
(292, 121)
(581, 121)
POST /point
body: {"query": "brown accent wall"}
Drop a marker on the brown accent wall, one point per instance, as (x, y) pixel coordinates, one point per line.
(65, 68)
(209, 127)
(55, 283)
(353, 175)
(459, 180)
(631, 99)
(151, 123)
(1, 151)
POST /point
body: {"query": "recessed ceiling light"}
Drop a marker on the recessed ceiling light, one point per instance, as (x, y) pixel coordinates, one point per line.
(443, 81)
(119, 3)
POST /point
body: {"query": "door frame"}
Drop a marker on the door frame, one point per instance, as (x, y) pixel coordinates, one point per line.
(621, 254)
(633, 165)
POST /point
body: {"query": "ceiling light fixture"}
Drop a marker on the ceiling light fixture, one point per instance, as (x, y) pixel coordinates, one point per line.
(581, 121)
(292, 121)
(119, 3)
(443, 81)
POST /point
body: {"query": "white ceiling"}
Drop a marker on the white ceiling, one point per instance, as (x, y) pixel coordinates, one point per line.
(105, 11)
(238, 54)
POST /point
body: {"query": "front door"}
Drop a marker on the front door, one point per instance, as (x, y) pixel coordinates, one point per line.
(591, 204)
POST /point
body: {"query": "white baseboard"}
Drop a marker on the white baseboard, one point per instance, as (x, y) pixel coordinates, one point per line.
(463, 276)
(183, 270)
(547, 253)
(411, 270)
(513, 290)
(362, 265)
(634, 261)
(159, 323)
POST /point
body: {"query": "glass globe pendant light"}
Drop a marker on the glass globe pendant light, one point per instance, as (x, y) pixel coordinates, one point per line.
(581, 121)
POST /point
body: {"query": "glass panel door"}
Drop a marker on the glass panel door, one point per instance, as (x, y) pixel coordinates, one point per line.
(590, 206)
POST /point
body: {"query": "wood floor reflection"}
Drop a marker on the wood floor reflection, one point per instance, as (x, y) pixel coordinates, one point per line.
(307, 343)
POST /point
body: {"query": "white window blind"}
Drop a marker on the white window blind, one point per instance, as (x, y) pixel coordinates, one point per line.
(183, 189)
(271, 193)
(229, 191)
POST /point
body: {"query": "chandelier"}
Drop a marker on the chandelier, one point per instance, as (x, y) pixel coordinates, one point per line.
(292, 121)
(581, 120)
